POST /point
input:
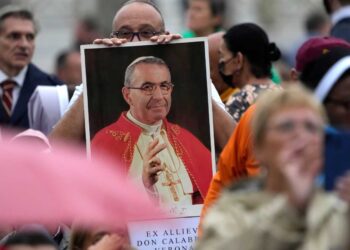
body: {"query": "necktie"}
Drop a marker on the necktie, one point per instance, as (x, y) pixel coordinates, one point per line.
(7, 88)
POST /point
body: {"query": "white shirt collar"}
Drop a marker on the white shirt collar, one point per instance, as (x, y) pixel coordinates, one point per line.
(340, 14)
(148, 129)
(19, 79)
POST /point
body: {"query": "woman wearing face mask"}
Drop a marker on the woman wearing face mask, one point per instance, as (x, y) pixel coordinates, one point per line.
(246, 57)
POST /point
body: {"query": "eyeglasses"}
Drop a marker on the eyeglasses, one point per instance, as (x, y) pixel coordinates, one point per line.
(289, 126)
(150, 88)
(142, 35)
(344, 104)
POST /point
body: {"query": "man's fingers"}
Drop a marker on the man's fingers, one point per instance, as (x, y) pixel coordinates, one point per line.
(151, 145)
(117, 41)
(158, 148)
(177, 36)
(150, 175)
(110, 41)
(97, 41)
(168, 39)
(154, 148)
(172, 37)
(154, 161)
(161, 39)
(107, 41)
(154, 166)
(154, 39)
(158, 39)
(155, 170)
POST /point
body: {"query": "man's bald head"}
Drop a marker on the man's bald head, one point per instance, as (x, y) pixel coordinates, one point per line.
(138, 14)
(214, 41)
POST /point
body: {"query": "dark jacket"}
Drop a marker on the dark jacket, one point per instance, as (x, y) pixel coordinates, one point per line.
(342, 29)
(33, 78)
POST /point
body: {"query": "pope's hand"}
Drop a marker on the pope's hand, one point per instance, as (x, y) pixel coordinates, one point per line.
(152, 165)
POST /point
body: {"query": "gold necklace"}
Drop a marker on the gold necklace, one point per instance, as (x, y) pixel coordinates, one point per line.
(177, 168)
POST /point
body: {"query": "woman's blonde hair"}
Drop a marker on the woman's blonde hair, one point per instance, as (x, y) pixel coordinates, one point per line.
(272, 101)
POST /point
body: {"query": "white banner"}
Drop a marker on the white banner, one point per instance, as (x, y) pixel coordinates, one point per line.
(167, 234)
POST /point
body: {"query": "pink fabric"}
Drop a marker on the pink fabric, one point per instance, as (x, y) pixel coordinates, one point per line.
(62, 187)
(32, 134)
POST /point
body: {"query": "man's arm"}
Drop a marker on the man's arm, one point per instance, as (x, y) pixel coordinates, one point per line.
(223, 125)
(71, 126)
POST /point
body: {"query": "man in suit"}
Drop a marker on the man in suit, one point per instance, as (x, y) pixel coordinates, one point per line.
(18, 76)
(339, 10)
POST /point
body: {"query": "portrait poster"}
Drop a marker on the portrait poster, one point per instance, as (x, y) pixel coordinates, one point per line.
(120, 128)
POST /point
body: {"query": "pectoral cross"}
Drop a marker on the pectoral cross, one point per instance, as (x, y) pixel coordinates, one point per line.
(171, 183)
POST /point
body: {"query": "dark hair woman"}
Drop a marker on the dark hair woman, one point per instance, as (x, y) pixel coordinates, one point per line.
(246, 57)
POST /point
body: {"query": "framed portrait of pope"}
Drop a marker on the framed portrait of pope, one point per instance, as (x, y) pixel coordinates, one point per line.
(148, 107)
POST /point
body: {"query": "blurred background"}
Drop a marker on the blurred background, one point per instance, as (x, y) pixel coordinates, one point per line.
(62, 23)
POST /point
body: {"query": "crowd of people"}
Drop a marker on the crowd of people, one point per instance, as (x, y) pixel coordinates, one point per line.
(270, 131)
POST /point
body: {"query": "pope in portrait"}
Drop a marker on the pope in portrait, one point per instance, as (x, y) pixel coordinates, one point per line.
(169, 162)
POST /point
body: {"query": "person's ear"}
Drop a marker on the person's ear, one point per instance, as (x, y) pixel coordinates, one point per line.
(239, 60)
(126, 95)
(294, 74)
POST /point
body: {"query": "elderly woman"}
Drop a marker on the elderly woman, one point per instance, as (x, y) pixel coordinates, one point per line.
(282, 209)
